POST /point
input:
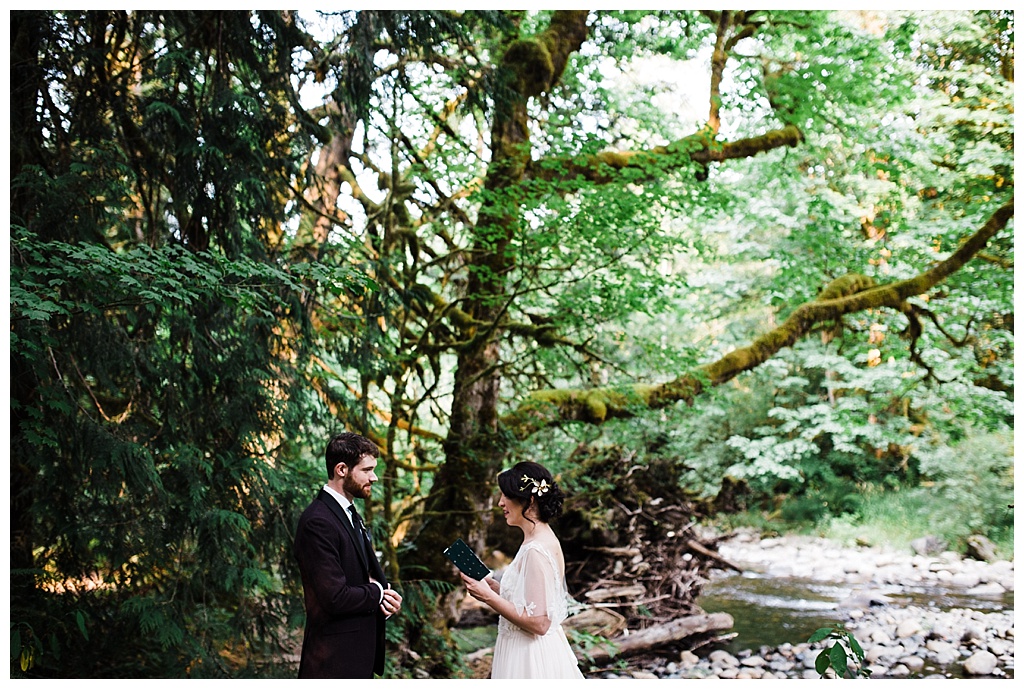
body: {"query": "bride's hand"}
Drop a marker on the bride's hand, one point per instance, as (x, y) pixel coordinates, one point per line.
(479, 589)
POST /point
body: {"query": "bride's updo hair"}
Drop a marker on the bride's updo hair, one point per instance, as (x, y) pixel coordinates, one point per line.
(528, 481)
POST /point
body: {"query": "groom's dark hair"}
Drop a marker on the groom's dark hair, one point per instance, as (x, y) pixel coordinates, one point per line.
(348, 448)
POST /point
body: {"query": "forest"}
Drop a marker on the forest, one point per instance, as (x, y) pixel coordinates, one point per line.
(725, 267)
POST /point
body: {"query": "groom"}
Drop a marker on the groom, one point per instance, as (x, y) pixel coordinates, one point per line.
(346, 594)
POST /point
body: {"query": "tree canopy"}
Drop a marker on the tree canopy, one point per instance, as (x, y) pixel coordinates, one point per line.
(767, 245)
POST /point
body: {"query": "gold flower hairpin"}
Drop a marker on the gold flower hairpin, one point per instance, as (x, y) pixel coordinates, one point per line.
(539, 487)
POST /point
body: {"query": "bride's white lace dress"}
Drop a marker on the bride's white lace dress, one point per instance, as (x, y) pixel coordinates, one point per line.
(535, 583)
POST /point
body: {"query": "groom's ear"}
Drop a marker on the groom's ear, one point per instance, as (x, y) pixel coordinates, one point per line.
(340, 469)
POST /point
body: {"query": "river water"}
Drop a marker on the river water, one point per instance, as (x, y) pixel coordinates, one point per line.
(794, 585)
(771, 611)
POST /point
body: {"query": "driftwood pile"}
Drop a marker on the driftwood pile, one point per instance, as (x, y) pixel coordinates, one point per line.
(635, 550)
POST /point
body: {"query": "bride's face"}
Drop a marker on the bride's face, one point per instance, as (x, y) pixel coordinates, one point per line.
(512, 510)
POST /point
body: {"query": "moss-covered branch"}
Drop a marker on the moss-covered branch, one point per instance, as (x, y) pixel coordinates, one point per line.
(701, 147)
(846, 295)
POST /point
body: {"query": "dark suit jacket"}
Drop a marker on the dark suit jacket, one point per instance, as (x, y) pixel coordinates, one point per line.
(344, 634)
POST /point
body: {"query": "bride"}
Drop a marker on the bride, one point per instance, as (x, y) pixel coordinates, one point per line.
(532, 599)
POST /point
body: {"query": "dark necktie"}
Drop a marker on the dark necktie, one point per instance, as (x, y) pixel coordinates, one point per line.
(358, 523)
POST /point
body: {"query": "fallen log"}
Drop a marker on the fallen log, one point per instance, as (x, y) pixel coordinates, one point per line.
(643, 640)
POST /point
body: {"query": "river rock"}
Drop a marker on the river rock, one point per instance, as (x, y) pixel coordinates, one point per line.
(688, 658)
(981, 548)
(981, 663)
(880, 637)
(786, 650)
(989, 589)
(943, 652)
(877, 670)
(965, 579)
(899, 670)
(781, 665)
(912, 663)
(973, 632)
(928, 545)
(723, 659)
(881, 654)
(643, 675)
(865, 599)
(998, 571)
(908, 628)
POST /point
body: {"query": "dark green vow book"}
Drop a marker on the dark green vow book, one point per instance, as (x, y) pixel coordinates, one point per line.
(466, 560)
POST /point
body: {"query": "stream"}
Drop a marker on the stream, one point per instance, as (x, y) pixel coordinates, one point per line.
(771, 611)
(936, 615)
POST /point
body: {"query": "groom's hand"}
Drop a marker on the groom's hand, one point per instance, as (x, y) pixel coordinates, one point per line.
(391, 603)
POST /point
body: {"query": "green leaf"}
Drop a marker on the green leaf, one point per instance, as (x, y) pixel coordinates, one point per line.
(819, 635)
(822, 662)
(838, 656)
(855, 646)
(80, 619)
(15, 644)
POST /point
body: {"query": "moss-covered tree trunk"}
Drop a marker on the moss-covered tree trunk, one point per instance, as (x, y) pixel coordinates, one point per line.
(463, 489)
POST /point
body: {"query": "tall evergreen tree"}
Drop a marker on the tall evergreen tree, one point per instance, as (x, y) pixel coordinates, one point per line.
(152, 380)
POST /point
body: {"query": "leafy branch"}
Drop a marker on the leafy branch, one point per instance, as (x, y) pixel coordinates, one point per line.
(844, 651)
(849, 294)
